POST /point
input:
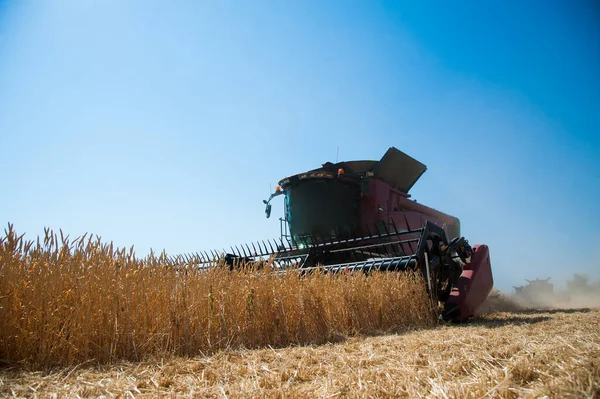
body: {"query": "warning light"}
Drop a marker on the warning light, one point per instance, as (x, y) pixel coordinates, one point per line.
(340, 171)
(277, 188)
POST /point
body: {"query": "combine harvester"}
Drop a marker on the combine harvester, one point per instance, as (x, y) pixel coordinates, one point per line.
(358, 216)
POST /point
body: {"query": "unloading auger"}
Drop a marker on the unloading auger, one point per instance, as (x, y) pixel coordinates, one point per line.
(358, 216)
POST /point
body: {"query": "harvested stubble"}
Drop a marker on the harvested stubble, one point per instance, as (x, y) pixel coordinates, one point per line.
(531, 354)
(65, 302)
(498, 301)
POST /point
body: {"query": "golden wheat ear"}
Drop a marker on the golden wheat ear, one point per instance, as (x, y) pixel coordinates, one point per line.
(65, 302)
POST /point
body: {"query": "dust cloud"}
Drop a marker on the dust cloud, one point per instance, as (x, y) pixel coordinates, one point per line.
(580, 292)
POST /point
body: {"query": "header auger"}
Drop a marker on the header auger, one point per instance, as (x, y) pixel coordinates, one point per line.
(358, 216)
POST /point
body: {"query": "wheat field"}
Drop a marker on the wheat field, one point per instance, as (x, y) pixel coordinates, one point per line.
(81, 318)
(64, 302)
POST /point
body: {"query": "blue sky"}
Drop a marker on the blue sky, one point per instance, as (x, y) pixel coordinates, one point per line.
(163, 125)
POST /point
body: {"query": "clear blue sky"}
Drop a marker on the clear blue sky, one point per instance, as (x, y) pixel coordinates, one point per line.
(162, 125)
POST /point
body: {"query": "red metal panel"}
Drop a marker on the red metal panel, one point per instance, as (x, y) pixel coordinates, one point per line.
(474, 284)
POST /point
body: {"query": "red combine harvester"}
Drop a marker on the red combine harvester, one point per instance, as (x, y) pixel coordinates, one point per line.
(358, 216)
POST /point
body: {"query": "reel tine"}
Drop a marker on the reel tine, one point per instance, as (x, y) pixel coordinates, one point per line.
(403, 248)
(260, 249)
(239, 253)
(263, 248)
(400, 249)
(385, 228)
(305, 241)
(269, 246)
(330, 238)
(320, 237)
(367, 229)
(390, 250)
(314, 239)
(254, 248)
(273, 250)
(394, 226)
(386, 250)
(323, 239)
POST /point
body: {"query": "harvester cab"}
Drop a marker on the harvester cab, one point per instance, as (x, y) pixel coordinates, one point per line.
(359, 216)
(347, 198)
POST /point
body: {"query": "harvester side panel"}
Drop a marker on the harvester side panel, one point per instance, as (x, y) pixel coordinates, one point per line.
(473, 286)
(385, 203)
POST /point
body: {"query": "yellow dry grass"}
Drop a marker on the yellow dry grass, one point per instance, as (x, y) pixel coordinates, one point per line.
(65, 302)
(532, 354)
